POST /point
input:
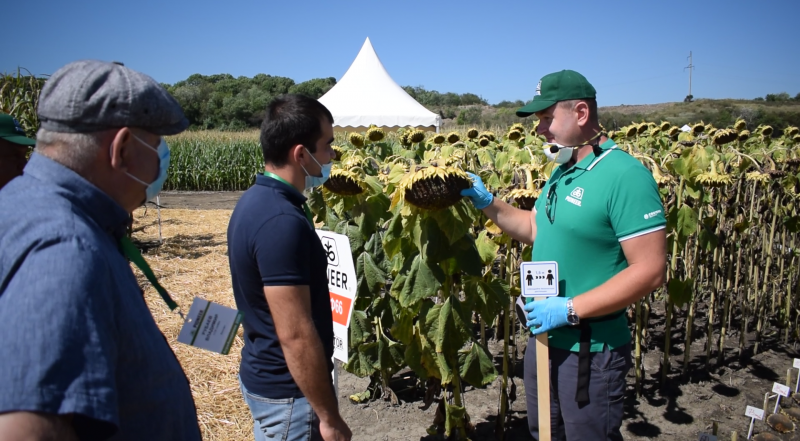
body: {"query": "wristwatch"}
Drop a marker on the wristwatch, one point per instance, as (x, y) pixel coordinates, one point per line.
(572, 317)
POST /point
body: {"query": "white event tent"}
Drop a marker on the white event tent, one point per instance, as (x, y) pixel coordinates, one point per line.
(367, 95)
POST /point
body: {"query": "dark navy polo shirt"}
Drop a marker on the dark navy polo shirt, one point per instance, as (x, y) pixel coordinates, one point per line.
(76, 336)
(272, 243)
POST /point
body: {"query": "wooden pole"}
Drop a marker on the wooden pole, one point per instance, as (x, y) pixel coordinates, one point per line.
(543, 383)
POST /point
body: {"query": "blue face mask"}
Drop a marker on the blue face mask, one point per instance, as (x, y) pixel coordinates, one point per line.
(154, 187)
(316, 181)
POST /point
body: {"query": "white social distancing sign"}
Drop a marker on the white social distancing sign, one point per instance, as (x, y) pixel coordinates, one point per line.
(342, 283)
(539, 279)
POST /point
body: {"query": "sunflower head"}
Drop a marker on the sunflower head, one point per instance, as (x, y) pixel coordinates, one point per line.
(631, 131)
(356, 139)
(489, 135)
(518, 127)
(417, 136)
(791, 131)
(674, 131)
(766, 130)
(453, 137)
(744, 135)
(345, 183)
(472, 133)
(756, 176)
(739, 125)
(433, 187)
(483, 141)
(338, 151)
(665, 125)
(698, 128)
(724, 136)
(375, 134)
(438, 138)
(523, 197)
(514, 135)
(641, 128)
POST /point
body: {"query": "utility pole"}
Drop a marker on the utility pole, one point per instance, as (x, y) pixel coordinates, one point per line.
(689, 97)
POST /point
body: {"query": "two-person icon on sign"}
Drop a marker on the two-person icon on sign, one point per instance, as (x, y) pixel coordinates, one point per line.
(549, 277)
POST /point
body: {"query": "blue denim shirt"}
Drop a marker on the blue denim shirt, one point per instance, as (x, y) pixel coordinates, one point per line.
(76, 336)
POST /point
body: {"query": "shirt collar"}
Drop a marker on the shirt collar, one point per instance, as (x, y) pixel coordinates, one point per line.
(106, 212)
(288, 191)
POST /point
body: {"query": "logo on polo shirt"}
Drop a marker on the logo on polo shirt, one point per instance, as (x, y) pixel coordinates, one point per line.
(575, 196)
(652, 214)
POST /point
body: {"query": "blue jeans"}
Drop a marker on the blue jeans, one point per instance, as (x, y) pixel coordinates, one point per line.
(287, 419)
(600, 418)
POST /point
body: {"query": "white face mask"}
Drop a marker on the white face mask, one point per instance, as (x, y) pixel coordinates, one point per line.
(562, 154)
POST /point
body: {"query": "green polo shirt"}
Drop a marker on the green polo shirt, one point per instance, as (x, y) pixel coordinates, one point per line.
(584, 214)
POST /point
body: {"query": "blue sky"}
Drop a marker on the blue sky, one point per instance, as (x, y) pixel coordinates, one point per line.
(634, 52)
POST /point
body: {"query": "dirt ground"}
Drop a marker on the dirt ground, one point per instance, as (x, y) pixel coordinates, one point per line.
(192, 261)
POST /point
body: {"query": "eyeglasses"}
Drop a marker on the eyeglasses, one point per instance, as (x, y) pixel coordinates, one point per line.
(550, 204)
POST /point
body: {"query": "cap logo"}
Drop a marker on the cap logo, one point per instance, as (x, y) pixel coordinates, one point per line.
(539, 88)
(17, 127)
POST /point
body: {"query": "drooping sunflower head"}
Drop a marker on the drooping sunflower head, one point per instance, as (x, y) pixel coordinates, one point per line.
(514, 135)
(483, 141)
(641, 128)
(660, 178)
(472, 133)
(375, 134)
(417, 136)
(518, 127)
(356, 139)
(744, 135)
(724, 136)
(712, 179)
(791, 131)
(698, 128)
(674, 131)
(338, 151)
(631, 131)
(453, 137)
(756, 176)
(739, 125)
(438, 138)
(776, 174)
(766, 130)
(405, 139)
(490, 135)
(523, 197)
(665, 126)
(345, 183)
(796, 138)
(433, 187)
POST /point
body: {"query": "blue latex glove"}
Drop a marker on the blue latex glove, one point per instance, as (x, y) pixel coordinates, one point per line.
(477, 194)
(547, 314)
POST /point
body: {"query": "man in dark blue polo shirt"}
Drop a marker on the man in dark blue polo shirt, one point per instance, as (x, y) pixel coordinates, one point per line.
(278, 269)
(81, 357)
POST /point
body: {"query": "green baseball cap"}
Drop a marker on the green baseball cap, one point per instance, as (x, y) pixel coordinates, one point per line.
(555, 87)
(11, 131)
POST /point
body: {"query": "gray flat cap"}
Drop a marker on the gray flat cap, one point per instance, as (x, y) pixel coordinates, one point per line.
(91, 96)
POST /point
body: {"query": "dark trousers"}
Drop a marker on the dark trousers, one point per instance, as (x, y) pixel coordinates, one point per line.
(598, 419)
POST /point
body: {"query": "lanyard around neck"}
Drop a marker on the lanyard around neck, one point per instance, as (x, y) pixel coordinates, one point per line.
(307, 210)
(131, 252)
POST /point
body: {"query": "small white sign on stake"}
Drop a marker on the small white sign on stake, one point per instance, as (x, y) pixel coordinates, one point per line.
(754, 412)
(707, 437)
(796, 363)
(781, 389)
(539, 279)
(342, 284)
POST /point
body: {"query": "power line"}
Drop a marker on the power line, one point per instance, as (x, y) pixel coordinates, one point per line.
(691, 68)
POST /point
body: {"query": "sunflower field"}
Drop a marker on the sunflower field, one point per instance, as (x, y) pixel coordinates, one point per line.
(434, 273)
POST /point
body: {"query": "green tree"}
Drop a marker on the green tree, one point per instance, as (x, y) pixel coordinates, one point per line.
(314, 88)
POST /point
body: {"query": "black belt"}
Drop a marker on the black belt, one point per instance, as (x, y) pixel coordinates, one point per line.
(584, 358)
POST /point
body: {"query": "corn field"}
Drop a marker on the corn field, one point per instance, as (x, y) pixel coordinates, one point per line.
(434, 273)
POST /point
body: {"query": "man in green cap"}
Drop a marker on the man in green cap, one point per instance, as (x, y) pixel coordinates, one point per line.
(14, 146)
(600, 219)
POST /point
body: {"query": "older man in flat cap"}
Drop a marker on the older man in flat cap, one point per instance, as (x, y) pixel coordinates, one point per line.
(14, 147)
(81, 356)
